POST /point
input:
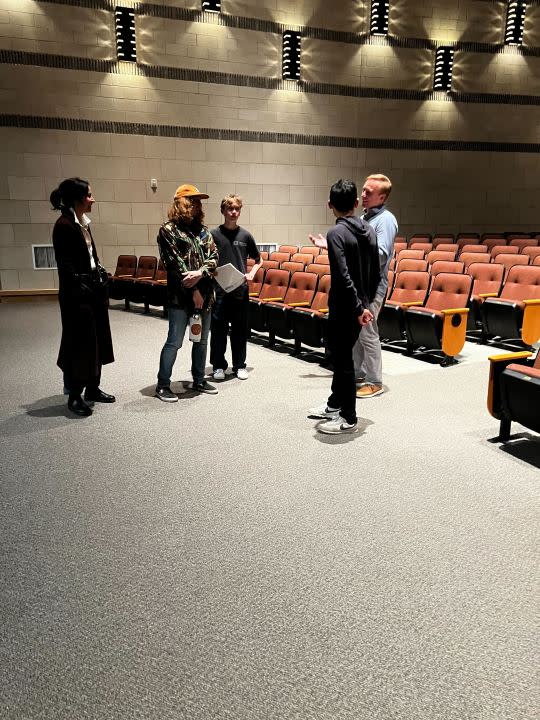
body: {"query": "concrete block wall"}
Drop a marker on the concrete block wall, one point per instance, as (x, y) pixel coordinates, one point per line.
(284, 184)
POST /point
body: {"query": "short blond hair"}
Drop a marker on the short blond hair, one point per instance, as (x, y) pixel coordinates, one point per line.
(385, 182)
(230, 200)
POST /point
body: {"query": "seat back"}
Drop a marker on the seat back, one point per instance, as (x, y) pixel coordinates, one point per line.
(523, 243)
(250, 263)
(468, 258)
(522, 283)
(506, 249)
(301, 288)
(531, 252)
(420, 237)
(411, 255)
(467, 240)
(280, 256)
(412, 264)
(446, 266)
(310, 250)
(255, 285)
(487, 277)
(292, 267)
(536, 260)
(472, 249)
(449, 290)
(147, 267)
(435, 255)
(446, 247)
(508, 261)
(468, 236)
(317, 268)
(399, 246)
(161, 273)
(290, 249)
(418, 245)
(304, 258)
(126, 265)
(391, 275)
(410, 286)
(492, 241)
(275, 284)
(264, 254)
(443, 239)
(270, 264)
(322, 259)
(320, 299)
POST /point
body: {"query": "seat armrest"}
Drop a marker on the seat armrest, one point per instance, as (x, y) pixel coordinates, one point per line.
(298, 304)
(509, 357)
(415, 303)
(275, 299)
(455, 311)
(323, 311)
(254, 294)
(486, 295)
(530, 303)
(497, 365)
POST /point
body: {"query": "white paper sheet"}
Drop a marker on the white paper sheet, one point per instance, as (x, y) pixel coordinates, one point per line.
(229, 277)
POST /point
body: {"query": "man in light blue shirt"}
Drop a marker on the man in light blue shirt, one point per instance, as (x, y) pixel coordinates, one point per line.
(367, 352)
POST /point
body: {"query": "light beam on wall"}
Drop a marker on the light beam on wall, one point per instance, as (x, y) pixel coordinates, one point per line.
(515, 20)
(211, 6)
(126, 45)
(379, 17)
(444, 62)
(291, 55)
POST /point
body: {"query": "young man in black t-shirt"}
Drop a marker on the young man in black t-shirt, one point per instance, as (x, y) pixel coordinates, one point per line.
(235, 245)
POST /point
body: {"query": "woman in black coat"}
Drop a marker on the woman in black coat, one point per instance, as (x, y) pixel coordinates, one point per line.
(86, 336)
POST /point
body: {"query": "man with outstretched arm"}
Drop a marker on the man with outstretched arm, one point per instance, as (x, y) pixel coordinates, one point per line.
(355, 274)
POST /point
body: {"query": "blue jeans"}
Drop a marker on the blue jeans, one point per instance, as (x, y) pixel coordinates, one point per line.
(178, 322)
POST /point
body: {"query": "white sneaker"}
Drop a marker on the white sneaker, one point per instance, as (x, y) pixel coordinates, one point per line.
(219, 374)
(242, 374)
(324, 412)
(337, 426)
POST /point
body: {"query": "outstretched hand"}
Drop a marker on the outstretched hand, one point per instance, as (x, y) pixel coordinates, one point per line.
(318, 240)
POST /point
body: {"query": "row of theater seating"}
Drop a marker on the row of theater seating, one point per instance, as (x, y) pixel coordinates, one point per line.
(495, 306)
(466, 238)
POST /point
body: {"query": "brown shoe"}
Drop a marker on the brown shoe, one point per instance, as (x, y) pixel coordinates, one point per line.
(369, 390)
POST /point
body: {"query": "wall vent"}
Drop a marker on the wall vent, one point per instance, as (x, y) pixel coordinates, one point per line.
(43, 257)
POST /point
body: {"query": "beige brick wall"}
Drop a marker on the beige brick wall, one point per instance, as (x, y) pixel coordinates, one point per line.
(505, 73)
(57, 29)
(344, 15)
(448, 20)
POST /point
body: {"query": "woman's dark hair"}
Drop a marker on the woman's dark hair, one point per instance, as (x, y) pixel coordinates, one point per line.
(343, 195)
(69, 192)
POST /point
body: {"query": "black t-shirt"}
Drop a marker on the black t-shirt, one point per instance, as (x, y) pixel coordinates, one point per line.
(235, 247)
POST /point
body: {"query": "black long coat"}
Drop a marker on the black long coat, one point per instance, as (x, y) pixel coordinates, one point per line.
(86, 335)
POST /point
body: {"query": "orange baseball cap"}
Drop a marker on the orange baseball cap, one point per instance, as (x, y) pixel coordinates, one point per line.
(190, 191)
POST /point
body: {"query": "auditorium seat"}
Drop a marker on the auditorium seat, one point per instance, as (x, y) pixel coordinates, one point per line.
(322, 259)
(273, 288)
(255, 285)
(493, 241)
(508, 261)
(531, 253)
(503, 249)
(310, 250)
(472, 249)
(515, 314)
(427, 247)
(300, 293)
(146, 269)
(410, 288)
(304, 258)
(155, 291)
(308, 324)
(126, 267)
(523, 243)
(487, 282)
(468, 258)
(411, 254)
(467, 240)
(446, 266)
(443, 239)
(441, 324)
(292, 266)
(420, 237)
(412, 264)
(318, 269)
(447, 247)
(280, 256)
(399, 246)
(435, 255)
(514, 391)
(270, 264)
(290, 249)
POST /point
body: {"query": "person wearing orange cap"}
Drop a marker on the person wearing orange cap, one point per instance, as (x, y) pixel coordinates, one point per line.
(190, 258)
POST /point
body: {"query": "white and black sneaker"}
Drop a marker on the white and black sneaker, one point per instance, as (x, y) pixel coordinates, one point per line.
(337, 426)
(219, 374)
(166, 394)
(205, 387)
(323, 412)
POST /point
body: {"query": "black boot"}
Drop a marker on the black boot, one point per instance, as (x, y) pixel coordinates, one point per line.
(77, 405)
(97, 395)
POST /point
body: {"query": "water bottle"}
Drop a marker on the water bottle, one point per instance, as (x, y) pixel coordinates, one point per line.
(195, 327)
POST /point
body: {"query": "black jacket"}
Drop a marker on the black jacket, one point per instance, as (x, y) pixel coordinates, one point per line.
(354, 266)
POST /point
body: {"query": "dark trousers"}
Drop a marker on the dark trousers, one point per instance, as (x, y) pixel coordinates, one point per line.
(342, 334)
(233, 311)
(75, 388)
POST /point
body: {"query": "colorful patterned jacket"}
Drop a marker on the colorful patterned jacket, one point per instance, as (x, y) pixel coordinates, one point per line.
(184, 248)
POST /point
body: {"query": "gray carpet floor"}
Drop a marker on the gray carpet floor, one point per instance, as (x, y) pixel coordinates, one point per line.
(220, 559)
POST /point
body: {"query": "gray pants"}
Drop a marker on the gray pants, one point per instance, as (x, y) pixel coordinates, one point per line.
(367, 354)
